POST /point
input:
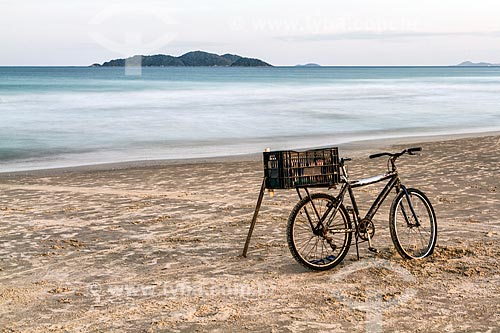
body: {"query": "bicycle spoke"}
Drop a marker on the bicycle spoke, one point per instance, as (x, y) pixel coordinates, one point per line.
(304, 225)
(312, 248)
(306, 242)
(322, 248)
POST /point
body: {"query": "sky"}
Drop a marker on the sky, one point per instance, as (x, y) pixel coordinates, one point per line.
(283, 33)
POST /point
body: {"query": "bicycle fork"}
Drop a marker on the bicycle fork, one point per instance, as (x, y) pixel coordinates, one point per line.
(408, 200)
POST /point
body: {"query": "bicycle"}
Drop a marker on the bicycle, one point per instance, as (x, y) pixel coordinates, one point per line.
(320, 231)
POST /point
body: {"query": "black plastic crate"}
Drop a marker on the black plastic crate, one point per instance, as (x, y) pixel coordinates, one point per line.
(311, 168)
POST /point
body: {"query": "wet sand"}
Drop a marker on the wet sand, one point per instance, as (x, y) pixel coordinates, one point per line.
(156, 248)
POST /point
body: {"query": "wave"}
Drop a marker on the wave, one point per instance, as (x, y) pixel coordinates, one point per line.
(81, 119)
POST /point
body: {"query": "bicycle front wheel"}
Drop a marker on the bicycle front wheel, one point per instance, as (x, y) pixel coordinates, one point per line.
(319, 249)
(413, 225)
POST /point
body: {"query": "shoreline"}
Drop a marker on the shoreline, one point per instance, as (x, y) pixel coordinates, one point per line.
(357, 148)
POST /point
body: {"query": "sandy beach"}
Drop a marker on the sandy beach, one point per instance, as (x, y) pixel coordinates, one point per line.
(156, 248)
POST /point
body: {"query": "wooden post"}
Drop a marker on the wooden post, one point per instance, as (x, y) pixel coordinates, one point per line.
(254, 219)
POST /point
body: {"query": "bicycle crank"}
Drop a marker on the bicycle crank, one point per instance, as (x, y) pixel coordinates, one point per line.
(365, 227)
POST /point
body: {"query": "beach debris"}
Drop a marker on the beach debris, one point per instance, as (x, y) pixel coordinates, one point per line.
(158, 219)
(59, 290)
(64, 300)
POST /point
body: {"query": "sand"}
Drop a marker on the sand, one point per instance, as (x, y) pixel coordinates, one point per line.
(156, 248)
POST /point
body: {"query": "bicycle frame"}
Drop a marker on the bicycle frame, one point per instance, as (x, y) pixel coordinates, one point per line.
(348, 187)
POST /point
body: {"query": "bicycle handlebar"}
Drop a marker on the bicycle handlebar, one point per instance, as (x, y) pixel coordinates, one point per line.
(409, 151)
(379, 155)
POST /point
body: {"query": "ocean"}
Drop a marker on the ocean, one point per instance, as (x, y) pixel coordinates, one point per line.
(68, 116)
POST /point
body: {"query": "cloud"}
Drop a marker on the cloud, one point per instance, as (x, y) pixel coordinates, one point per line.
(193, 43)
(382, 35)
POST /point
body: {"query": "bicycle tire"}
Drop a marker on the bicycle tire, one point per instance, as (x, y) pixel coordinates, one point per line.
(412, 241)
(298, 227)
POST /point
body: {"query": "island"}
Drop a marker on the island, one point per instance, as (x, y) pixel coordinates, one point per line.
(476, 64)
(192, 59)
(308, 65)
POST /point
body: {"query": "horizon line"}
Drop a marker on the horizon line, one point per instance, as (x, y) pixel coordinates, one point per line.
(298, 65)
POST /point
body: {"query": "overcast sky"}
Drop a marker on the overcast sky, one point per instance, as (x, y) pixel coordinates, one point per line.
(282, 32)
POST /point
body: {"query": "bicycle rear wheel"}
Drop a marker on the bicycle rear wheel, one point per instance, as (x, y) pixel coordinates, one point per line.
(413, 232)
(321, 250)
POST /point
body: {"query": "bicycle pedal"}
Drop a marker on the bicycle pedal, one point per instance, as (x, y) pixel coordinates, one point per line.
(374, 250)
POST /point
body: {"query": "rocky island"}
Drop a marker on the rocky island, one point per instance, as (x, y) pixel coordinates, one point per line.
(193, 59)
(308, 65)
(476, 64)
